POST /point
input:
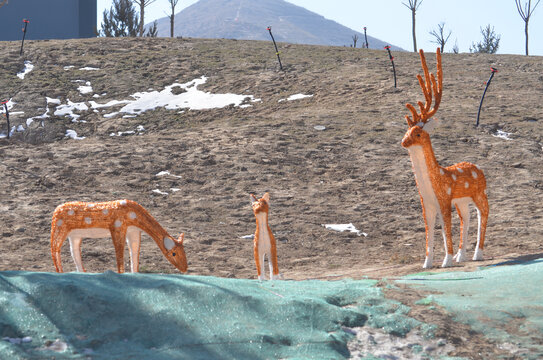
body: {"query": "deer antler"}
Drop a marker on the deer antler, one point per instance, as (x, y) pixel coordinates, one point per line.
(428, 85)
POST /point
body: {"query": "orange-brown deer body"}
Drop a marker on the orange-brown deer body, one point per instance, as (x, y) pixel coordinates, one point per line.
(440, 187)
(264, 241)
(120, 219)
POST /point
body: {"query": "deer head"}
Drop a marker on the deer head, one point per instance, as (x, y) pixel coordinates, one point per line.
(175, 252)
(260, 205)
(421, 123)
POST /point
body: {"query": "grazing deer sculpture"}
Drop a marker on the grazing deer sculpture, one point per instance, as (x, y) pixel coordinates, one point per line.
(264, 241)
(120, 219)
(442, 187)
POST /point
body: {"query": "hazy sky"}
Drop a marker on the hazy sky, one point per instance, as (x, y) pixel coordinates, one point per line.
(390, 20)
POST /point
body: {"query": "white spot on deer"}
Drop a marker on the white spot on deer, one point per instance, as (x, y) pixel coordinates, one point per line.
(117, 223)
(449, 190)
(59, 223)
(168, 243)
(460, 170)
(441, 172)
(454, 177)
(90, 205)
(467, 185)
(474, 174)
(105, 211)
(122, 202)
(132, 215)
(88, 220)
(71, 212)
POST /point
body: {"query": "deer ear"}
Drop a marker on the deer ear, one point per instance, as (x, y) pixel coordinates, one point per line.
(252, 199)
(168, 243)
(181, 238)
(266, 197)
(430, 125)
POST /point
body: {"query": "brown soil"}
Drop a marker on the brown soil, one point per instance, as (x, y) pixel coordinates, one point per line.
(355, 171)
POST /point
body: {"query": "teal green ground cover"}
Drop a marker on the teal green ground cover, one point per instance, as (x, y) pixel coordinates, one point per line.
(504, 302)
(151, 316)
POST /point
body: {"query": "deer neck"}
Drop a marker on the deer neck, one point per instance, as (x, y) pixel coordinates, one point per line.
(426, 169)
(151, 227)
(261, 225)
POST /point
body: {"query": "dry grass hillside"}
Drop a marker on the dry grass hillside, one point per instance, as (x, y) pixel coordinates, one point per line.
(354, 171)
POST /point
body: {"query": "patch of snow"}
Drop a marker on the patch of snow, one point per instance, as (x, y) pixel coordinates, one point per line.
(52, 101)
(85, 89)
(502, 134)
(245, 106)
(191, 98)
(28, 68)
(15, 113)
(10, 105)
(344, 227)
(20, 128)
(296, 97)
(72, 134)
(88, 68)
(69, 67)
(166, 172)
(319, 127)
(43, 116)
(95, 105)
(139, 130)
(69, 108)
(248, 237)
(175, 189)
(157, 191)
(375, 343)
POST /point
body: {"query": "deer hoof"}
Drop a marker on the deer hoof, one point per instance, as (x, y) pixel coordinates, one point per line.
(478, 256)
(460, 256)
(428, 263)
(447, 262)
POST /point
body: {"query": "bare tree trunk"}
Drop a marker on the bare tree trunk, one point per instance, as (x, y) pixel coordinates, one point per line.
(172, 20)
(142, 14)
(414, 34)
(526, 32)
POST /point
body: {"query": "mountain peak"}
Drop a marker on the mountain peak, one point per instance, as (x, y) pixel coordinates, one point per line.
(248, 20)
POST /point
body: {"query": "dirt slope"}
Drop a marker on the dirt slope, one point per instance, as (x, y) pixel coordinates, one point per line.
(355, 171)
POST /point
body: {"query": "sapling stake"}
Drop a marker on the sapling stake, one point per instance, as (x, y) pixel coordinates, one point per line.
(366, 37)
(5, 103)
(25, 21)
(493, 71)
(276, 50)
(392, 61)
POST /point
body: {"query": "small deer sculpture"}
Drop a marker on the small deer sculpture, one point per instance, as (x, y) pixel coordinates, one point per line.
(440, 187)
(122, 220)
(264, 241)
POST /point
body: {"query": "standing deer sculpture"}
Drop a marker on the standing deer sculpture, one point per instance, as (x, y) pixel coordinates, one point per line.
(440, 187)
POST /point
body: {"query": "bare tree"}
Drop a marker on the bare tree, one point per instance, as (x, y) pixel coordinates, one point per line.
(440, 37)
(142, 4)
(173, 4)
(355, 39)
(525, 13)
(413, 6)
(455, 48)
(3, 2)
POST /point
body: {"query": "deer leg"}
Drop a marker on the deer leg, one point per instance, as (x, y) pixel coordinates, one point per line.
(274, 267)
(446, 230)
(75, 249)
(118, 238)
(56, 244)
(463, 214)
(133, 239)
(262, 267)
(482, 215)
(257, 261)
(429, 222)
